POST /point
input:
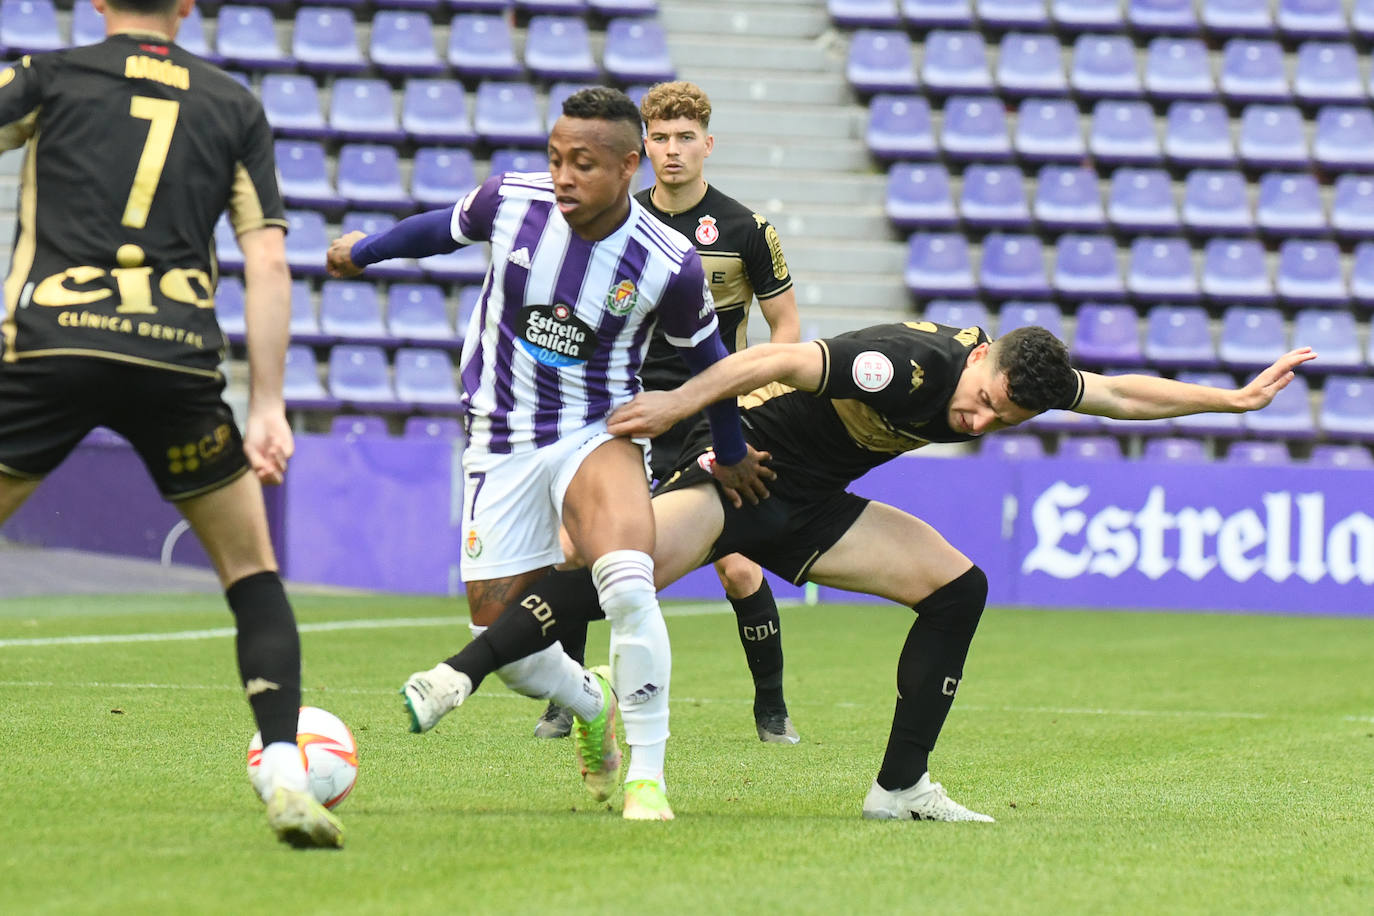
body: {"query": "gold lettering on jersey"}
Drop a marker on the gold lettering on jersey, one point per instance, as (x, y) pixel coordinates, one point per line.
(729, 283)
(54, 292)
(6, 77)
(868, 430)
(770, 235)
(95, 320)
(928, 326)
(134, 281)
(759, 221)
(918, 376)
(139, 67)
(967, 337)
(167, 332)
(188, 285)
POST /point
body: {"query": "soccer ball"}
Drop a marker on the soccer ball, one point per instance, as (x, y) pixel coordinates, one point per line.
(331, 755)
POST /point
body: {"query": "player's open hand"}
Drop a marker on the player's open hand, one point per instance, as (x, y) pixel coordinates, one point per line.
(746, 480)
(1261, 391)
(650, 414)
(268, 443)
(339, 258)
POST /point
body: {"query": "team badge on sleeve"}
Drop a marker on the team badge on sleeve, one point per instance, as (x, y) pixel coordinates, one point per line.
(872, 371)
(707, 232)
(622, 298)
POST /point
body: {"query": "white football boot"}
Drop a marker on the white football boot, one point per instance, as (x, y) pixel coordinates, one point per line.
(925, 801)
(431, 695)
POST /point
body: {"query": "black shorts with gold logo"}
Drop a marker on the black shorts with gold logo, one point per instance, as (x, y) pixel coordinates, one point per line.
(177, 422)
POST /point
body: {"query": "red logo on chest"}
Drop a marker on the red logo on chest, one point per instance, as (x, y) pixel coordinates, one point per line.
(706, 230)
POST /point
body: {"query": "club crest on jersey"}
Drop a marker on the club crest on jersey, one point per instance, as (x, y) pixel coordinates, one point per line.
(872, 371)
(707, 232)
(472, 545)
(554, 336)
(622, 298)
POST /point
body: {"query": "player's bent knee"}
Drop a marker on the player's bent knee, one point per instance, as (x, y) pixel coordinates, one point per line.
(958, 604)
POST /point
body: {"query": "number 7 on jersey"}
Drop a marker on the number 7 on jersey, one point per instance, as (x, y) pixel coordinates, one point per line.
(162, 113)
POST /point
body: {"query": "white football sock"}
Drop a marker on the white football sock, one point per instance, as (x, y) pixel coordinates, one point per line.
(551, 674)
(282, 765)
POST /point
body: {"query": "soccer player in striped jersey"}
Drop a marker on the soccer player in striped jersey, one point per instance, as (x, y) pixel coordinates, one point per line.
(580, 274)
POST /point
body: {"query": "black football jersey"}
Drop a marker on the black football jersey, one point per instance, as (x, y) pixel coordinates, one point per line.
(134, 146)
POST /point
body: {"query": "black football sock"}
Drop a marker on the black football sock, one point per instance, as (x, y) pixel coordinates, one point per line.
(928, 674)
(531, 622)
(760, 634)
(573, 635)
(269, 653)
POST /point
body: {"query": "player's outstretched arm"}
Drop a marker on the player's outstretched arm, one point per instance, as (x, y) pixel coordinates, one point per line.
(413, 237)
(1142, 397)
(267, 439)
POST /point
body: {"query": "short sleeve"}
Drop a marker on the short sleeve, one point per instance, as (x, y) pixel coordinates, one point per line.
(686, 311)
(21, 94)
(764, 261)
(255, 200)
(890, 373)
(476, 213)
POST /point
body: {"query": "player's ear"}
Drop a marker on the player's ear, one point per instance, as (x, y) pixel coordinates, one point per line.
(185, 8)
(977, 355)
(709, 145)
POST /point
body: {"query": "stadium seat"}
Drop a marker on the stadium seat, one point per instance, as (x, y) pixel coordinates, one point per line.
(637, 52)
(306, 241)
(558, 7)
(1216, 201)
(899, 127)
(938, 264)
(88, 26)
(1086, 267)
(431, 6)
(1031, 65)
(1175, 16)
(1312, 18)
(418, 314)
(1022, 314)
(1087, 15)
(447, 428)
(918, 195)
(362, 109)
(403, 43)
(441, 177)
(468, 299)
(1262, 454)
(303, 175)
(1067, 197)
(1362, 18)
(301, 383)
(29, 27)
(325, 40)
(436, 111)
(246, 35)
(1013, 266)
(975, 128)
(1178, 337)
(559, 48)
(607, 9)
(371, 222)
(1309, 272)
(292, 105)
(1209, 424)
(1012, 446)
(519, 160)
(1252, 337)
(481, 45)
(505, 114)
(994, 196)
(858, 14)
(1090, 448)
(1198, 133)
(360, 378)
(1253, 71)
(958, 313)
(1014, 14)
(1328, 71)
(1352, 206)
(1175, 450)
(1107, 335)
(1047, 130)
(227, 251)
(1344, 138)
(465, 265)
(350, 427)
(1330, 455)
(1179, 68)
(1235, 270)
(1332, 334)
(370, 177)
(304, 320)
(929, 14)
(1104, 66)
(955, 62)
(191, 36)
(424, 378)
(1142, 200)
(1347, 410)
(481, 6)
(1272, 136)
(1124, 132)
(1238, 17)
(229, 309)
(1289, 204)
(1288, 416)
(1362, 274)
(350, 310)
(880, 60)
(1162, 269)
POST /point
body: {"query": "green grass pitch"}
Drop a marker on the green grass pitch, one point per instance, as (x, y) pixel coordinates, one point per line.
(1136, 763)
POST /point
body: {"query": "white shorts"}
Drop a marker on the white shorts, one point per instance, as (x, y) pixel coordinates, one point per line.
(513, 504)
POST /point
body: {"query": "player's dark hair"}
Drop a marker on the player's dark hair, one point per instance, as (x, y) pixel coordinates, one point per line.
(1036, 363)
(144, 7)
(601, 103)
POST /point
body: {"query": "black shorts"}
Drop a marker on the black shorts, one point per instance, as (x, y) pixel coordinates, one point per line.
(785, 533)
(665, 450)
(176, 421)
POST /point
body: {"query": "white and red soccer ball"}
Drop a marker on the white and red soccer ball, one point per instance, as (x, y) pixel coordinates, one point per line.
(331, 755)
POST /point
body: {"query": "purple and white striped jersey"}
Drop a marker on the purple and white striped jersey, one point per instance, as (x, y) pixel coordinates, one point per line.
(559, 333)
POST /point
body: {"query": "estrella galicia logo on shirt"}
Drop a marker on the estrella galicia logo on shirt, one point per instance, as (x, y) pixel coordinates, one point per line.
(622, 298)
(554, 336)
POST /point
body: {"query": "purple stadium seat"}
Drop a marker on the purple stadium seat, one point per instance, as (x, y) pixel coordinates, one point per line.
(1087, 15)
(1252, 337)
(1172, 449)
(1142, 200)
(301, 384)
(1312, 18)
(431, 6)
(858, 14)
(1209, 424)
(246, 35)
(441, 177)
(1288, 416)
(403, 42)
(1198, 133)
(957, 313)
(351, 311)
(1161, 16)
(1012, 446)
(1021, 314)
(505, 114)
(418, 314)
(1179, 68)
(191, 36)
(360, 377)
(880, 60)
(1178, 337)
(436, 111)
(480, 45)
(955, 62)
(1290, 203)
(1352, 206)
(637, 52)
(424, 377)
(304, 321)
(325, 39)
(608, 9)
(918, 195)
(1014, 14)
(975, 128)
(1237, 17)
(559, 48)
(304, 176)
(1031, 65)
(1013, 266)
(1347, 410)
(519, 160)
(927, 14)
(1262, 454)
(938, 264)
(1090, 448)
(899, 128)
(1067, 197)
(292, 105)
(994, 196)
(1253, 71)
(1344, 138)
(1309, 272)
(1124, 132)
(29, 27)
(468, 299)
(371, 222)
(1327, 455)
(229, 309)
(1047, 130)
(1107, 335)
(1235, 270)
(370, 176)
(306, 241)
(1086, 267)
(1332, 334)
(1272, 136)
(362, 109)
(1362, 274)
(1362, 18)
(481, 6)
(1104, 65)
(466, 265)
(88, 26)
(1216, 201)
(227, 251)
(557, 7)
(1328, 71)
(433, 428)
(1162, 269)
(356, 426)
